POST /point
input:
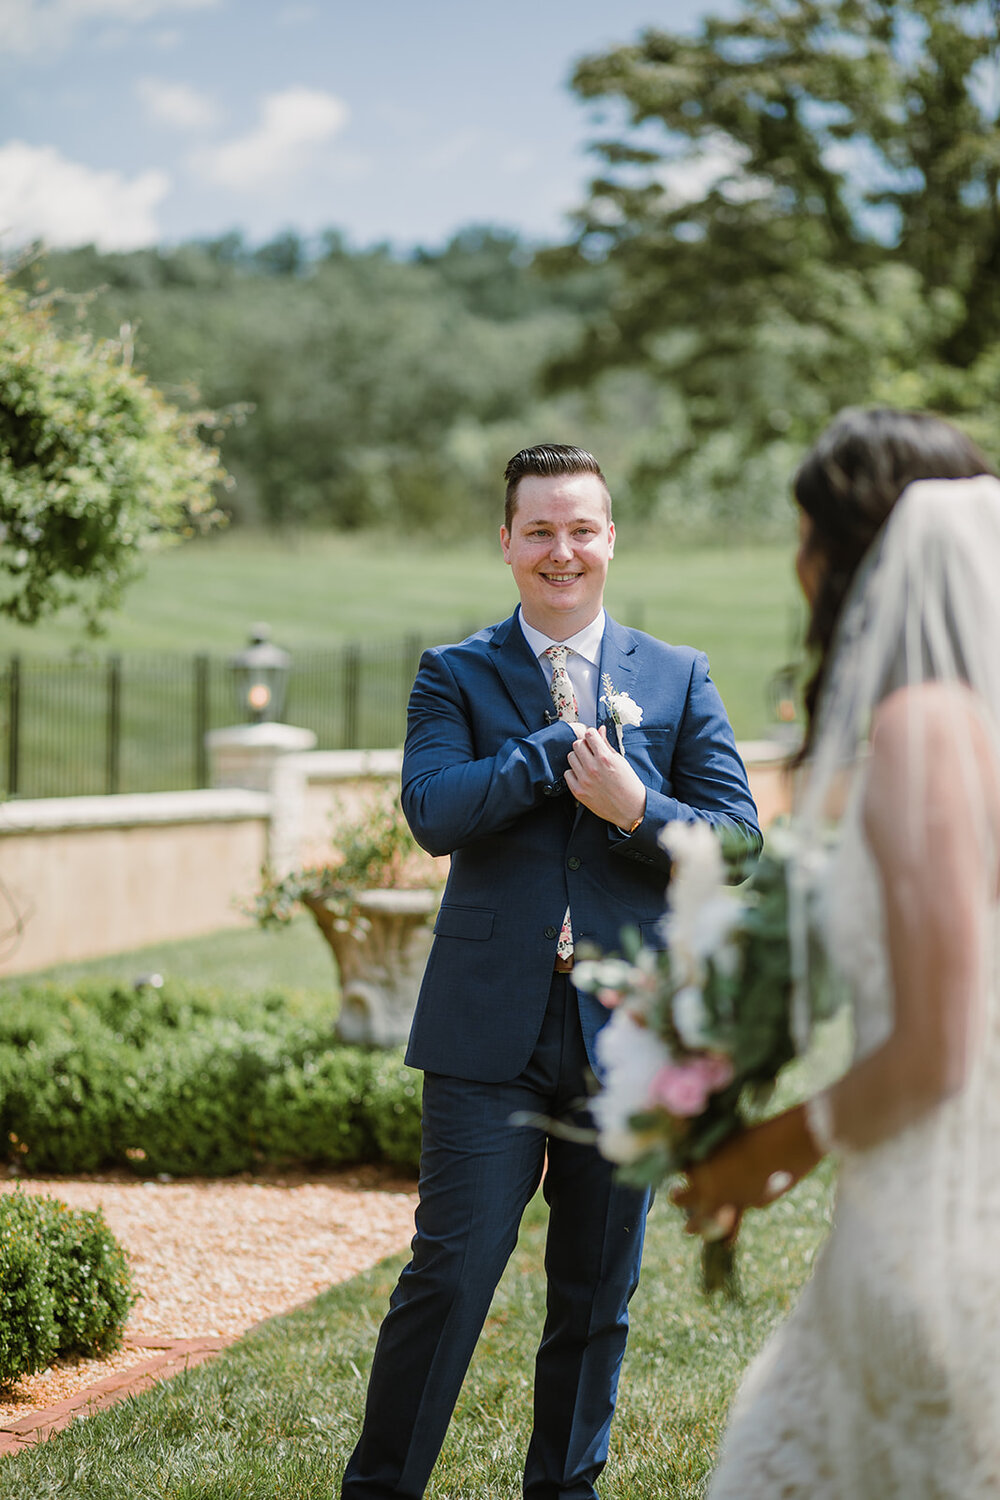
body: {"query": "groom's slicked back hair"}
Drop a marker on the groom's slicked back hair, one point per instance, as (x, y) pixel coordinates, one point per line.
(543, 461)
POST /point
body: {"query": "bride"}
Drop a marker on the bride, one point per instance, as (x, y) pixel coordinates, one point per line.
(885, 1381)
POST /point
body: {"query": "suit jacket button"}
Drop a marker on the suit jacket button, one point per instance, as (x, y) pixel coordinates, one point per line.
(573, 862)
(551, 932)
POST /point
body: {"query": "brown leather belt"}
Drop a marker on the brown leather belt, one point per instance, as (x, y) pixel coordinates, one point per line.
(564, 965)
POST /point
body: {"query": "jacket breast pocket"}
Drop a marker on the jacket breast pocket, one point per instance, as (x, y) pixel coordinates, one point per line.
(473, 922)
(651, 751)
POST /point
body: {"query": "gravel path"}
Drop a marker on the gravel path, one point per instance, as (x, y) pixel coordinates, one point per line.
(213, 1257)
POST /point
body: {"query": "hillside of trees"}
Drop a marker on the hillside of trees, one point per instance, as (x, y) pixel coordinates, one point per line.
(796, 208)
(360, 388)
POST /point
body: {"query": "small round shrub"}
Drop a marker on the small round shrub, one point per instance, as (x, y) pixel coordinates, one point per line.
(89, 1274)
(65, 1284)
(29, 1338)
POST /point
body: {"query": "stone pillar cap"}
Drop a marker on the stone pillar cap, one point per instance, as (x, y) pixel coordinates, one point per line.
(266, 736)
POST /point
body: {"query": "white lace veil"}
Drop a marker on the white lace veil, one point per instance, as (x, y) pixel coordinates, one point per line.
(918, 1233)
(924, 606)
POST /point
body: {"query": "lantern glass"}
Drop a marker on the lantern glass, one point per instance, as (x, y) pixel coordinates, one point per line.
(260, 677)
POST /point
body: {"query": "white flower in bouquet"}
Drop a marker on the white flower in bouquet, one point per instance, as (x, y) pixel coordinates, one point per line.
(630, 1056)
(616, 980)
(704, 911)
(691, 1017)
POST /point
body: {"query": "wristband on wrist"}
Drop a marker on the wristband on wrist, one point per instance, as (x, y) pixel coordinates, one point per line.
(635, 824)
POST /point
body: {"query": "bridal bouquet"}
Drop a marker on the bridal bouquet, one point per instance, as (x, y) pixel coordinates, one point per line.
(701, 1029)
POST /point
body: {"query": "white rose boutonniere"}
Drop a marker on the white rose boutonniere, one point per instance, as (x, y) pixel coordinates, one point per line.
(622, 710)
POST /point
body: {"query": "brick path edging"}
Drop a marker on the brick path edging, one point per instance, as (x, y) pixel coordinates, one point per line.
(174, 1357)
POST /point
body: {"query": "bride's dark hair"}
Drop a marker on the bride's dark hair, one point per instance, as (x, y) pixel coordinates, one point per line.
(847, 485)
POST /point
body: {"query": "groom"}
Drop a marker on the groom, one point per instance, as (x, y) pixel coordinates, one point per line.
(509, 768)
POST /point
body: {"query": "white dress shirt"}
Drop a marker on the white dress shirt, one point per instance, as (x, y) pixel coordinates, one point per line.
(583, 662)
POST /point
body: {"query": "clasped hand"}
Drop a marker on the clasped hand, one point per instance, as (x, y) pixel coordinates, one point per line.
(750, 1170)
(602, 779)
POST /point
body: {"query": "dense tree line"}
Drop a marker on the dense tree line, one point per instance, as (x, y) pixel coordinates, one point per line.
(797, 209)
(361, 388)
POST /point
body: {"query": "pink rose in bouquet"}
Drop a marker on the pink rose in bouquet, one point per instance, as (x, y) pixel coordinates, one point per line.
(683, 1088)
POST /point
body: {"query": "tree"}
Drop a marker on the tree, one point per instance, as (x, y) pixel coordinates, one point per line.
(802, 212)
(377, 390)
(492, 270)
(95, 466)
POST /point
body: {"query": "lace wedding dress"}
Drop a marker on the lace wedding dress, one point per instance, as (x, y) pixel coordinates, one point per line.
(884, 1383)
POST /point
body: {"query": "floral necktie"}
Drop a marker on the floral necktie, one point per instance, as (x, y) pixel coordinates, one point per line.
(563, 695)
(567, 707)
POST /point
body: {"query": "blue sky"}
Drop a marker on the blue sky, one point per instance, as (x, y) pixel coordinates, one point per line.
(131, 122)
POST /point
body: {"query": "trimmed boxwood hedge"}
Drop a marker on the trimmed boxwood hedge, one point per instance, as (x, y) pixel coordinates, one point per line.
(186, 1080)
(65, 1284)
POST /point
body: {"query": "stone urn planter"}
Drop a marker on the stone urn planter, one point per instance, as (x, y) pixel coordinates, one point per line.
(380, 947)
(374, 902)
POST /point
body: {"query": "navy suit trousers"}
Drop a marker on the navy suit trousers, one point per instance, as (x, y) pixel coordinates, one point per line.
(478, 1173)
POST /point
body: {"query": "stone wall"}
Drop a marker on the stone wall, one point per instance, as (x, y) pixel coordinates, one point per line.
(86, 876)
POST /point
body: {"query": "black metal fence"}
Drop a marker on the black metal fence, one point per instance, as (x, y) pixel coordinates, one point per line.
(137, 723)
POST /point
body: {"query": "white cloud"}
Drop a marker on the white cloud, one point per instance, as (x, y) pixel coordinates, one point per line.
(176, 104)
(45, 196)
(292, 123)
(30, 25)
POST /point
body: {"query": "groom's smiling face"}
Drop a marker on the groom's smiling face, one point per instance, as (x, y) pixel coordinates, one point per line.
(560, 542)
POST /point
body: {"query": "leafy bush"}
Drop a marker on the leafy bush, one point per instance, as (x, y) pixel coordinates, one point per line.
(28, 1338)
(193, 1099)
(89, 1274)
(65, 1284)
(317, 1109)
(394, 1104)
(192, 1081)
(95, 465)
(60, 1100)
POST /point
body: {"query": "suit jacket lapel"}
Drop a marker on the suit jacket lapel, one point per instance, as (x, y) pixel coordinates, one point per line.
(525, 682)
(521, 674)
(618, 661)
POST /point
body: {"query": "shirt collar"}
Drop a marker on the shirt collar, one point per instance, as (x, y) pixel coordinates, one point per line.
(586, 642)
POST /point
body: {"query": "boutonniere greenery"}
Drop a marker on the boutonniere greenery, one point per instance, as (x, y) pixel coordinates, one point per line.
(622, 709)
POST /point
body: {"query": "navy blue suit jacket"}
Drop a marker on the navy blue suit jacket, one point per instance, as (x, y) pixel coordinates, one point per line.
(483, 781)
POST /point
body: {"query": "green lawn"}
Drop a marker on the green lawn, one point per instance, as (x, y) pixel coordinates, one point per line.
(244, 959)
(275, 1417)
(738, 604)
